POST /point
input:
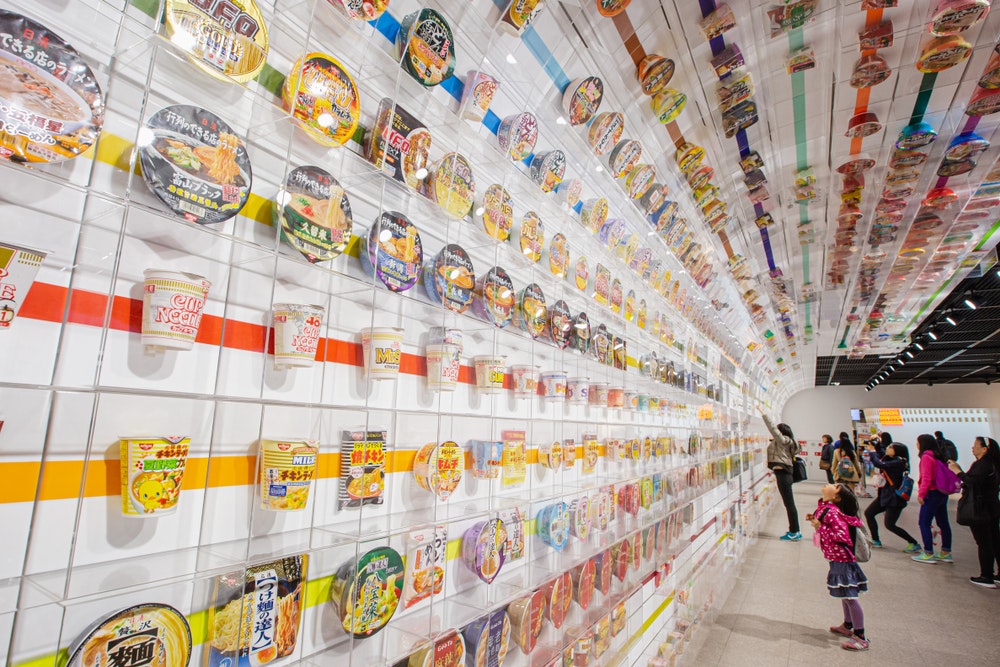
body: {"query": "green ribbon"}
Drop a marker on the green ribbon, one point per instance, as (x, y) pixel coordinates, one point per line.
(796, 41)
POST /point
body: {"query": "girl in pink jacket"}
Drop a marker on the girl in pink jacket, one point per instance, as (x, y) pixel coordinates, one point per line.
(835, 516)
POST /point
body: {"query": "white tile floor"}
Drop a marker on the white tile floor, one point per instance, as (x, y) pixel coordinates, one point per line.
(779, 610)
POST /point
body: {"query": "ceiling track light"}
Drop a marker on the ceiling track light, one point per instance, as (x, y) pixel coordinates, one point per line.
(969, 302)
(908, 354)
(931, 334)
(917, 345)
(902, 362)
(950, 320)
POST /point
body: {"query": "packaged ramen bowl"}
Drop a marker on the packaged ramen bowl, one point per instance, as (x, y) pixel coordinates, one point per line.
(517, 16)
(425, 564)
(654, 73)
(448, 650)
(490, 373)
(314, 213)
(558, 256)
(477, 95)
(322, 96)
(560, 324)
(194, 162)
(172, 305)
(229, 44)
(450, 278)
(527, 615)
(50, 114)
(153, 629)
(392, 251)
(624, 157)
(517, 135)
(553, 525)
(452, 185)
(297, 328)
(487, 639)
(582, 98)
(484, 548)
(287, 468)
(427, 47)
(399, 144)
(531, 236)
(444, 361)
(606, 131)
(530, 310)
(547, 169)
(494, 297)
(497, 212)
(438, 468)
(550, 455)
(382, 349)
(594, 214)
(152, 472)
(584, 575)
(559, 594)
(365, 591)
(361, 10)
(553, 385)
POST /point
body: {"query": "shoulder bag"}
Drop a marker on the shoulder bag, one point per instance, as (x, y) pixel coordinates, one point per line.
(799, 473)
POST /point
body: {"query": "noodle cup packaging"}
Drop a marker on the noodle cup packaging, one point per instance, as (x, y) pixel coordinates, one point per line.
(984, 102)
(322, 96)
(172, 304)
(582, 98)
(602, 635)
(550, 455)
(559, 596)
(527, 616)
(668, 105)
(152, 472)
(443, 364)
(583, 583)
(393, 251)
(570, 192)
(287, 468)
(229, 43)
(560, 324)
(943, 53)
(594, 214)
(296, 333)
(438, 468)
(478, 94)
(606, 131)
(598, 393)
(582, 649)
(399, 144)
(517, 135)
(654, 73)
(484, 548)
(517, 16)
(547, 169)
(621, 558)
(581, 274)
(53, 108)
(530, 310)
(639, 180)
(514, 523)
(624, 157)
(490, 373)
(497, 212)
(559, 256)
(18, 268)
(452, 185)
(382, 350)
(136, 630)
(525, 380)
(642, 403)
(631, 399)
(487, 458)
(569, 453)
(366, 591)
(553, 385)
(445, 335)
(494, 297)
(602, 571)
(487, 639)
(427, 47)
(361, 10)
(531, 236)
(577, 390)
(581, 333)
(553, 525)
(450, 278)
(616, 397)
(314, 213)
(951, 17)
(448, 649)
(580, 518)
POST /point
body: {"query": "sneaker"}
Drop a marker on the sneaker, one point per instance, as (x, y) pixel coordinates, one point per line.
(985, 582)
(855, 644)
(791, 537)
(876, 544)
(911, 548)
(944, 557)
(924, 557)
(842, 629)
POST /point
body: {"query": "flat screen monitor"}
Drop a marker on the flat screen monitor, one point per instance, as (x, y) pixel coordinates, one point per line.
(857, 415)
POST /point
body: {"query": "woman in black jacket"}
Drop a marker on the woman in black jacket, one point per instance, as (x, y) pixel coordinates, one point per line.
(894, 466)
(984, 477)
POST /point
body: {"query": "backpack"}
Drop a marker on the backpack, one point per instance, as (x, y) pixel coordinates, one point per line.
(945, 480)
(905, 488)
(845, 468)
(862, 544)
(950, 451)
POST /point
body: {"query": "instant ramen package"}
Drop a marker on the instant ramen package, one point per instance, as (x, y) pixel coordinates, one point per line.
(157, 632)
(362, 468)
(257, 614)
(425, 557)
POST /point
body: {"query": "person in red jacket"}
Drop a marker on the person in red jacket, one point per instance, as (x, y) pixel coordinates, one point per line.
(933, 504)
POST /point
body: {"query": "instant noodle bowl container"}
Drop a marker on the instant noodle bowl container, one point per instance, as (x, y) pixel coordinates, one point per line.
(580, 518)
(478, 94)
(172, 304)
(287, 468)
(553, 525)
(553, 385)
(616, 397)
(127, 630)
(525, 380)
(487, 640)
(526, 617)
(447, 650)
(18, 266)
(438, 468)
(631, 399)
(578, 390)
(484, 548)
(547, 169)
(443, 364)
(642, 403)
(598, 394)
(490, 372)
(551, 455)
(584, 575)
(152, 473)
(296, 333)
(517, 135)
(378, 572)
(382, 349)
(559, 593)
(438, 335)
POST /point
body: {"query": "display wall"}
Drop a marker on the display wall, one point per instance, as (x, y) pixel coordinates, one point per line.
(574, 453)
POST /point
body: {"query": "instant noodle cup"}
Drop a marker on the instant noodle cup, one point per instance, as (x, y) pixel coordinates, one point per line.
(425, 563)
(287, 468)
(487, 458)
(438, 468)
(365, 591)
(484, 548)
(606, 131)
(517, 135)
(18, 267)
(621, 558)
(581, 333)
(443, 365)
(399, 144)
(477, 95)
(951, 17)
(494, 297)
(51, 105)
(172, 305)
(582, 98)
(597, 394)
(577, 390)
(594, 214)
(487, 639)
(451, 336)
(642, 403)
(426, 46)
(584, 575)
(152, 471)
(514, 523)
(569, 453)
(361, 10)
(616, 397)
(668, 105)
(582, 649)
(452, 185)
(497, 212)
(314, 213)
(450, 279)
(517, 16)
(559, 596)
(448, 650)
(631, 399)
(624, 157)
(382, 349)
(942, 53)
(547, 169)
(570, 191)
(553, 385)
(560, 324)
(581, 273)
(229, 42)
(580, 518)
(296, 333)
(531, 236)
(195, 163)
(602, 571)
(550, 455)
(525, 381)
(559, 256)
(530, 310)
(157, 630)
(553, 525)
(393, 251)
(490, 373)
(527, 615)
(322, 96)
(654, 73)
(639, 180)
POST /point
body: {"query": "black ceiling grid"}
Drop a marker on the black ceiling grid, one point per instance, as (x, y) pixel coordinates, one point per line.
(966, 352)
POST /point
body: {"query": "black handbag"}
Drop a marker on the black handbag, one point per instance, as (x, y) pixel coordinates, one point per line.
(799, 473)
(971, 511)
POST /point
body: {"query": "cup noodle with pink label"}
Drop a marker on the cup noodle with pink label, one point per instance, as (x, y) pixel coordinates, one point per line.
(172, 305)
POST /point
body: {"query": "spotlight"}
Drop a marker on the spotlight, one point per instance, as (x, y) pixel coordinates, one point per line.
(931, 334)
(902, 362)
(950, 320)
(917, 345)
(969, 302)
(908, 354)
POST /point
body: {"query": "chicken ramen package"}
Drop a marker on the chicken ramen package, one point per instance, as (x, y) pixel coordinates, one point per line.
(425, 558)
(257, 614)
(362, 468)
(227, 40)
(51, 106)
(314, 213)
(152, 471)
(287, 468)
(195, 163)
(157, 632)
(365, 591)
(399, 144)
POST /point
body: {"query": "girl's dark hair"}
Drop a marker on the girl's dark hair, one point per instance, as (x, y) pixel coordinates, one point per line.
(785, 430)
(844, 437)
(846, 500)
(826, 437)
(885, 438)
(992, 451)
(900, 450)
(926, 443)
(846, 448)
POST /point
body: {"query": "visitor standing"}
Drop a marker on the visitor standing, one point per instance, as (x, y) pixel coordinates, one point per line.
(983, 477)
(781, 453)
(947, 451)
(893, 467)
(933, 504)
(846, 469)
(826, 457)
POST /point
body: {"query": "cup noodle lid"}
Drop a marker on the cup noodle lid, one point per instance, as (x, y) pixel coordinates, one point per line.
(427, 47)
(531, 310)
(624, 157)
(916, 135)
(498, 212)
(606, 131)
(582, 98)
(378, 572)
(323, 98)
(517, 135)
(559, 592)
(951, 17)
(942, 53)
(870, 70)
(487, 639)
(484, 548)
(453, 185)
(531, 236)
(654, 73)
(393, 251)
(547, 169)
(495, 297)
(668, 105)
(314, 213)
(856, 165)
(127, 632)
(560, 324)
(226, 44)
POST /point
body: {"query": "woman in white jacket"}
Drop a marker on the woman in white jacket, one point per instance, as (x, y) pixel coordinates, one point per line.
(781, 453)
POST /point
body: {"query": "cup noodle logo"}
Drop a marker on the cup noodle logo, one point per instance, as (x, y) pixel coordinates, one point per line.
(180, 313)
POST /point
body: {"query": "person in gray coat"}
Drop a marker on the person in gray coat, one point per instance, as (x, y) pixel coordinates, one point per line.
(781, 453)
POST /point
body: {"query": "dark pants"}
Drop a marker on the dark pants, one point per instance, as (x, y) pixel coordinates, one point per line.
(987, 537)
(784, 479)
(935, 508)
(829, 476)
(891, 517)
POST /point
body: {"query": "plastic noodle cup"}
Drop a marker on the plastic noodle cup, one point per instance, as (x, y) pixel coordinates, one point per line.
(152, 471)
(172, 304)
(553, 385)
(438, 468)
(287, 468)
(631, 399)
(296, 333)
(577, 390)
(382, 348)
(447, 335)
(559, 593)
(616, 397)
(642, 403)
(484, 548)
(443, 364)
(490, 373)
(527, 615)
(525, 379)
(598, 394)
(477, 95)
